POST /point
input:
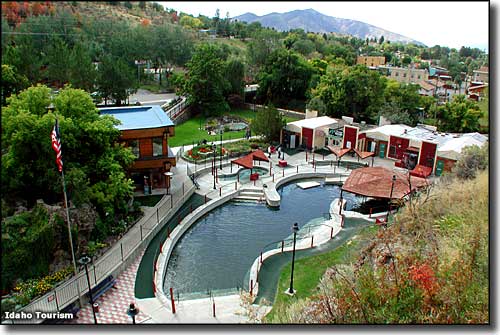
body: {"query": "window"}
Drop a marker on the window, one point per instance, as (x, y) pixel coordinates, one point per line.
(392, 151)
(418, 77)
(157, 146)
(134, 145)
(396, 74)
(404, 75)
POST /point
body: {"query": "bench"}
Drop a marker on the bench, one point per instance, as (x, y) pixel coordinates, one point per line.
(102, 287)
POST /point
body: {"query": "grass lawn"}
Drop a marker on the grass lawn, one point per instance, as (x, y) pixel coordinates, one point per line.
(309, 270)
(189, 131)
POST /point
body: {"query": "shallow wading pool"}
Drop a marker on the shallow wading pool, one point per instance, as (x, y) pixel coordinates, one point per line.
(217, 252)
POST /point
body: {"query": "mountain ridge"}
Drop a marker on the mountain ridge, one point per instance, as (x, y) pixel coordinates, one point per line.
(310, 20)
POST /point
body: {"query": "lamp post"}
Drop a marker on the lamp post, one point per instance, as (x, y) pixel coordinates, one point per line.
(221, 131)
(214, 147)
(168, 178)
(132, 311)
(295, 229)
(85, 260)
(390, 197)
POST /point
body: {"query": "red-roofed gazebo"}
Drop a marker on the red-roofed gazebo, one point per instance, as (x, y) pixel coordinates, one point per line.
(247, 161)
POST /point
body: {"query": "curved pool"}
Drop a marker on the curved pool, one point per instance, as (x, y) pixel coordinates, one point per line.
(218, 250)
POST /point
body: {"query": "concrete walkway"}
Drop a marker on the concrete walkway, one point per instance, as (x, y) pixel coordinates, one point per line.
(229, 309)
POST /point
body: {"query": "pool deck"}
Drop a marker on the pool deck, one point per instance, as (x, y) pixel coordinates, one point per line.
(229, 308)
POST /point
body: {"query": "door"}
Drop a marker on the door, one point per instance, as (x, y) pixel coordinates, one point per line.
(439, 168)
(292, 141)
(381, 152)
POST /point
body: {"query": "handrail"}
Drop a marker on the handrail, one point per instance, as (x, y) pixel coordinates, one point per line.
(67, 292)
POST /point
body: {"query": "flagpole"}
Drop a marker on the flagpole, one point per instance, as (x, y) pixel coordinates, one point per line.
(71, 239)
(56, 145)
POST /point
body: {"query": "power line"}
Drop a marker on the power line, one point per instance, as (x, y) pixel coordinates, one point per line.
(20, 33)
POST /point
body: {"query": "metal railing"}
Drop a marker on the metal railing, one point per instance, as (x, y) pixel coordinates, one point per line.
(176, 110)
(67, 292)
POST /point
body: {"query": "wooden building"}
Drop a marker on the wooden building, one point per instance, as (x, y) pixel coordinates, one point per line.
(146, 130)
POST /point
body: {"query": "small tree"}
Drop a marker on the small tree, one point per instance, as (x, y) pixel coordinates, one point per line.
(268, 122)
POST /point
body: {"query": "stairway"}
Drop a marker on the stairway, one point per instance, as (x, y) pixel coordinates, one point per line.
(252, 194)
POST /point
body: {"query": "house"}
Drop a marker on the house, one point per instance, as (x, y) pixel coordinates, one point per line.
(411, 146)
(405, 75)
(426, 89)
(476, 91)
(146, 129)
(310, 132)
(481, 75)
(371, 61)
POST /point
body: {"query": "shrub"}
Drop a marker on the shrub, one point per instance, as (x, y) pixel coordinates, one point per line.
(473, 158)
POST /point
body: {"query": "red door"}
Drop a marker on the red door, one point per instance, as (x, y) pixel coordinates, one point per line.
(307, 135)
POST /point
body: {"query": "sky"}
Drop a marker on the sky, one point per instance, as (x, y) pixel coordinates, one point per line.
(451, 24)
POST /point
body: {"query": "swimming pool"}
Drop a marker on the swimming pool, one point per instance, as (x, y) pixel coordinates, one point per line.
(219, 249)
(245, 174)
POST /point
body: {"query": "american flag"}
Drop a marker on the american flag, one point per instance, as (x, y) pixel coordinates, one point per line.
(56, 145)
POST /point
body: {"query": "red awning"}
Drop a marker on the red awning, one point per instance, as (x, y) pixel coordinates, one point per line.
(338, 151)
(364, 154)
(259, 155)
(245, 161)
(376, 182)
(421, 171)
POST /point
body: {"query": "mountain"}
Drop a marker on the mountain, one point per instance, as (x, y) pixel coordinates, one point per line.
(313, 21)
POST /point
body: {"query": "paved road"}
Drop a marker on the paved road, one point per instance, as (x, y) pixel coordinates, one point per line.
(146, 97)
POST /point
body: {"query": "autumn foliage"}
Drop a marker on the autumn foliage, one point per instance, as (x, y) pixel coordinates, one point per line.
(16, 12)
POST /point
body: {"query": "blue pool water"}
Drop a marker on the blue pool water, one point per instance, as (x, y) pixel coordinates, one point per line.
(217, 252)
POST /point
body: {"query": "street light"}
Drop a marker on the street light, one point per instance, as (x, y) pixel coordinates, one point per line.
(168, 178)
(132, 311)
(214, 147)
(85, 260)
(295, 229)
(390, 197)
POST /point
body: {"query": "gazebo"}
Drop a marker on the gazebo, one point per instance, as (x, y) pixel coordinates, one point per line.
(382, 183)
(247, 161)
(339, 152)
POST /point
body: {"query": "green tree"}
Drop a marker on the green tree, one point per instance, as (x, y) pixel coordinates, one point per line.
(190, 22)
(284, 77)
(268, 122)
(234, 74)
(12, 82)
(206, 83)
(93, 161)
(460, 115)
(116, 79)
(82, 72)
(403, 103)
(355, 91)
